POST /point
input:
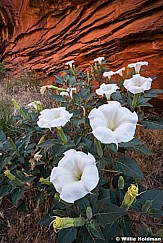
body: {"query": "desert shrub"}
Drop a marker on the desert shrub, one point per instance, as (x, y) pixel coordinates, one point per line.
(74, 155)
(7, 122)
(26, 80)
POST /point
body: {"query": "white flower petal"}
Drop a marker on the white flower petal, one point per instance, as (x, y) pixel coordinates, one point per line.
(120, 71)
(90, 177)
(105, 135)
(126, 116)
(73, 191)
(70, 63)
(64, 93)
(125, 132)
(108, 74)
(97, 118)
(59, 176)
(99, 59)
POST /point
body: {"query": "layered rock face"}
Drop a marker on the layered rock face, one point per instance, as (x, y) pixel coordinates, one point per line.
(44, 34)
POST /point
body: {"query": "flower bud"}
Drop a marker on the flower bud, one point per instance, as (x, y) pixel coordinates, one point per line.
(89, 212)
(23, 114)
(147, 205)
(130, 196)
(13, 178)
(9, 175)
(121, 183)
(63, 223)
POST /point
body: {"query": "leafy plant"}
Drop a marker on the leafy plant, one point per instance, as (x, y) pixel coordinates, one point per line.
(61, 149)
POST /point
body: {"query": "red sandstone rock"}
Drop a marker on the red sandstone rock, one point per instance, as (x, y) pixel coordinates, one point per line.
(44, 34)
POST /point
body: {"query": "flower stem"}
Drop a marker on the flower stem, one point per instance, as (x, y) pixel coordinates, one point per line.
(134, 100)
(62, 135)
(98, 147)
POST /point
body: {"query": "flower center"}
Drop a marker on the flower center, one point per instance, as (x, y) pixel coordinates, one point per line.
(77, 175)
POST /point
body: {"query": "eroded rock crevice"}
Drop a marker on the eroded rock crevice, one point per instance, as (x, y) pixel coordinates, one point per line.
(43, 35)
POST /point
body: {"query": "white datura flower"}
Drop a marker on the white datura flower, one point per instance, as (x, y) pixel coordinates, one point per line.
(75, 176)
(69, 92)
(69, 63)
(137, 84)
(34, 104)
(120, 71)
(107, 89)
(56, 117)
(109, 74)
(112, 123)
(137, 65)
(99, 59)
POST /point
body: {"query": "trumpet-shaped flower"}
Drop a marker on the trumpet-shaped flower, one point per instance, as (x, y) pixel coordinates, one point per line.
(137, 84)
(56, 117)
(112, 123)
(120, 71)
(70, 63)
(99, 59)
(137, 65)
(69, 92)
(109, 74)
(107, 89)
(75, 176)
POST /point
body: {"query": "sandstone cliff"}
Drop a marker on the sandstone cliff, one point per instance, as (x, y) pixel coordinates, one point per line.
(44, 34)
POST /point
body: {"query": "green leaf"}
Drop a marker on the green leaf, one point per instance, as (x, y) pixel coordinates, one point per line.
(94, 228)
(126, 226)
(142, 149)
(128, 167)
(156, 196)
(17, 194)
(67, 235)
(106, 213)
(46, 220)
(153, 93)
(2, 137)
(59, 98)
(82, 203)
(153, 124)
(102, 163)
(5, 162)
(111, 230)
(59, 79)
(144, 232)
(48, 143)
(104, 193)
(4, 190)
(134, 142)
(155, 213)
(90, 238)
